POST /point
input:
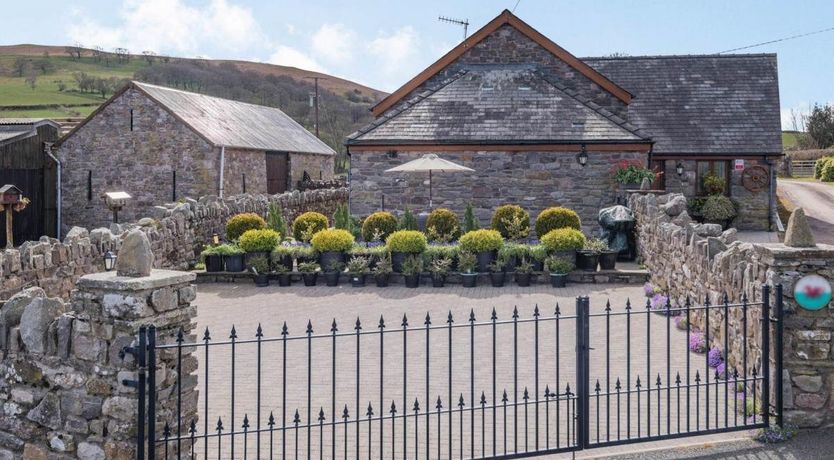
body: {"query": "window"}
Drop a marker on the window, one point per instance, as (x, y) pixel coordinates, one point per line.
(89, 185)
(659, 167)
(720, 168)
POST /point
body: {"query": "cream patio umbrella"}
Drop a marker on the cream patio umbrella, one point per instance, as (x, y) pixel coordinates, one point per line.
(430, 162)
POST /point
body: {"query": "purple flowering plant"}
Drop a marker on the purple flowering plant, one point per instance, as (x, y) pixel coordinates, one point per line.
(715, 357)
(697, 342)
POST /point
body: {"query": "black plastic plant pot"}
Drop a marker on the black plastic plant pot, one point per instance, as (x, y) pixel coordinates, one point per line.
(587, 260)
(310, 278)
(331, 278)
(438, 280)
(608, 260)
(512, 262)
(261, 280)
(523, 279)
(357, 280)
(485, 258)
(382, 279)
(233, 263)
(285, 261)
(397, 259)
(558, 280)
(497, 278)
(328, 258)
(538, 265)
(214, 263)
(284, 279)
(412, 281)
(469, 280)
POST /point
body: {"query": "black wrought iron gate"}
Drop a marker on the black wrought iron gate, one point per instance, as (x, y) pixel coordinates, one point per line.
(505, 386)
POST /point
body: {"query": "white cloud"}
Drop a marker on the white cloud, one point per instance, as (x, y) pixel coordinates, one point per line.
(288, 56)
(334, 43)
(171, 26)
(394, 50)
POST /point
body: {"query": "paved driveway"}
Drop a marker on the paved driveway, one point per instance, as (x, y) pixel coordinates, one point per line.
(222, 305)
(818, 201)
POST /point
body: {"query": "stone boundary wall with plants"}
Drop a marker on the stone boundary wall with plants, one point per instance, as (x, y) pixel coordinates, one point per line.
(177, 232)
(698, 260)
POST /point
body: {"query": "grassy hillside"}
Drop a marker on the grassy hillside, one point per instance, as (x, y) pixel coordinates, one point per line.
(789, 139)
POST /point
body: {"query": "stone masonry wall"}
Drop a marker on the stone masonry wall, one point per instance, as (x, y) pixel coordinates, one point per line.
(248, 163)
(534, 180)
(62, 370)
(317, 166)
(687, 259)
(177, 233)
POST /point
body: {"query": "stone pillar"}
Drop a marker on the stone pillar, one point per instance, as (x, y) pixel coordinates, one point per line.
(808, 376)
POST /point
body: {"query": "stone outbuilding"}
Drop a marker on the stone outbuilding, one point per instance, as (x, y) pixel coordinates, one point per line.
(161, 144)
(521, 111)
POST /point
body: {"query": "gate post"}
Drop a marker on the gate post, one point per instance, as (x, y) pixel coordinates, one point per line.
(780, 407)
(582, 372)
(766, 369)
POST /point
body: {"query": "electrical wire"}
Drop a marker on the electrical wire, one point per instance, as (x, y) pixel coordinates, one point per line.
(516, 5)
(777, 40)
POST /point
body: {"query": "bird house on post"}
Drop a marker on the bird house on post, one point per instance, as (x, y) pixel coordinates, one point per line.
(11, 199)
(116, 201)
(10, 195)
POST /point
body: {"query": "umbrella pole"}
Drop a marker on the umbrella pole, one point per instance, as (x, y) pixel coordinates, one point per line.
(430, 199)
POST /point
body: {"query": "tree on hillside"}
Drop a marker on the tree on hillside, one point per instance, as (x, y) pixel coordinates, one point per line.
(149, 56)
(31, 78)
(74, 51)
(98, 53)
(21, 65)
(820, 125)
(122, 55)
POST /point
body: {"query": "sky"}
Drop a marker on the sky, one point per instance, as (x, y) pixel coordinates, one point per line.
(383, 44)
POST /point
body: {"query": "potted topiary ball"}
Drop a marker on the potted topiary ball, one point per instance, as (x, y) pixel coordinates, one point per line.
(308, 224)
(468, 264)
(496, 272)
(403, 244)
(212, 259)
(309, 272)
(442, 226)
(554, 218)
(719, 209)
(377, 226)
(238, 224)
(412, 269)
(259, 266)
(259, 243)
(512, 221)
(357, 267)
(332, 246)
(439, 269)
(564, 242)
(587, 258)
(382, 271)
(523, 272)
(484, 244)
(558, 267)
(284, 276)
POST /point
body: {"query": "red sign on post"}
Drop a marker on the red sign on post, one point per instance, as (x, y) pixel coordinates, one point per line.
(739, 165)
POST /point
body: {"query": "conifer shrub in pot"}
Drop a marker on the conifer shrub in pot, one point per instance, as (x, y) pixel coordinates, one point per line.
(259, 265)
(357, 267)
(564, 242)
(304, 253)
(412, 269)
(468, 264)
(403, 244)
(308, 224)
(442, 226)
(259, 243)
(587, 258)
(512, 253)
(377, 226)
(496, 272)
(232, 257)
(212, 259)
(332, 245)
(558, 267)
(512, 221)
(309, 272)
(238, 224)
(523, 272)
(382, 271)
(333, 272)
(283, 274)
(441, 251)
(282, 256)
(537, 253)
(484, 244)
(554, 218)
(439, 268)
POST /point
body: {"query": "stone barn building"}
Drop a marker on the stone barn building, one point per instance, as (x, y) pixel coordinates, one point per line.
(520, 110)
(161, 144)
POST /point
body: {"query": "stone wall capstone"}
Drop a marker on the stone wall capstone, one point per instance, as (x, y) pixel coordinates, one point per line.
(699, 260)
(177, 232)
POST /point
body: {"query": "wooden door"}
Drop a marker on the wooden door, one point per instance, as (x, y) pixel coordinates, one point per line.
(277, 172)
(28, 224)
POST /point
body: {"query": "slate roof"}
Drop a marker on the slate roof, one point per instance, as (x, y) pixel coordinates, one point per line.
(706, 104)
(236, 124)
(15, 129)
(498, 103)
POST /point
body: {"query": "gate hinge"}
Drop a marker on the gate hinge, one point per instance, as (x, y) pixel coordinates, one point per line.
(132, 351)
(130, 383)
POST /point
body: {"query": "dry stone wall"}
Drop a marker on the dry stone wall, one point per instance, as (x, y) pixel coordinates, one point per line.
(699, 260)
(177, 233)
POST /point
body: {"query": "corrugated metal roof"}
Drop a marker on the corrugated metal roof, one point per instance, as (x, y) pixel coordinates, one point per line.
(20, 121)
(236, 124)
(6, 135)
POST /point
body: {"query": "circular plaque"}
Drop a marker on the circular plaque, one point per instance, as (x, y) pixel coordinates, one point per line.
(755, 178)
(812, 292)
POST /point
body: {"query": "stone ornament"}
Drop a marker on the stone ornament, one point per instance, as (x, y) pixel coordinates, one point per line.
(798, 233)
(755, 178)
(135, 257)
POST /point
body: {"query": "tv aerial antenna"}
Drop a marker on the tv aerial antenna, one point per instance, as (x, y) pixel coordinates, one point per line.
(460, 22)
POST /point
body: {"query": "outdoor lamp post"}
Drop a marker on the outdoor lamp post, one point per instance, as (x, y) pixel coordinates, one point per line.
(582, 157)
(679, 169)
(109, 261)
(116, 201)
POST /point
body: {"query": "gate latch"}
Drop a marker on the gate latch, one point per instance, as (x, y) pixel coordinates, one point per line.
(132, 351)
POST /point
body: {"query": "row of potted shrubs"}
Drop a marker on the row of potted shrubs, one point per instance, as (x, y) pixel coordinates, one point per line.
(332, 250)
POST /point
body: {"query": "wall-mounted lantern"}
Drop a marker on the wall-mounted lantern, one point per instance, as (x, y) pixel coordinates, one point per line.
(116, 201)
(679, 169)
(582, 157)
(109, 261)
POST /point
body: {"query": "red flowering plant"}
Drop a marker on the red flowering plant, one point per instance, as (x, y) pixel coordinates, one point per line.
(627, 172)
